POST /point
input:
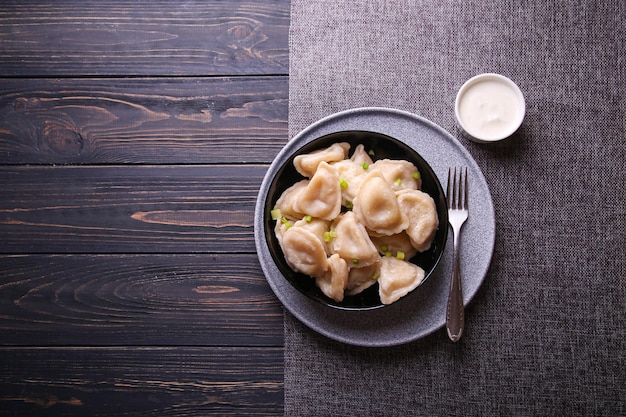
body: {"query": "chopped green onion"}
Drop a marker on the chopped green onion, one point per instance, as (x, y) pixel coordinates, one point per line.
(327, 236)
(348, 204)
(388, 254)
(276, 214)
(400, 255)
(398, 181)
(308, 218)
(384, 248)
(371, 152)
(416, 175)
(375, 276)
(365, 165)
(343, 183)
(285, 221)
(355, 261)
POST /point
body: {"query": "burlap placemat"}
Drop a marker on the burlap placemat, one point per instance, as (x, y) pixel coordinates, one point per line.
(546, 333)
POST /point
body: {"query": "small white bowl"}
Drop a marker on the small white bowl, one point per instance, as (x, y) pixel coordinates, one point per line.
(489, 107)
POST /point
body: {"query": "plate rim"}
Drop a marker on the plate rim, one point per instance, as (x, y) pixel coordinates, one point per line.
(269, 268)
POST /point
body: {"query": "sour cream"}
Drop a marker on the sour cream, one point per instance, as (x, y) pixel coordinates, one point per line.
(489, 107)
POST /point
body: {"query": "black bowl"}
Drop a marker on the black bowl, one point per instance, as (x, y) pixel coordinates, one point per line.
(384, 147)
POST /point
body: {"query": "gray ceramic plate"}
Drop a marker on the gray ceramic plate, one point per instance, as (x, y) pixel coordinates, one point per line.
(401, 322)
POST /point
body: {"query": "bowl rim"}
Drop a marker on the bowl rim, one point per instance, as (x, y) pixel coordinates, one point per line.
(284, 159)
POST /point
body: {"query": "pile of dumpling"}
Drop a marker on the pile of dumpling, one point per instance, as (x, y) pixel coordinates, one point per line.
(353, 222)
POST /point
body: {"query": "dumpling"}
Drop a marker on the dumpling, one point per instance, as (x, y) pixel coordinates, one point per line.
(333, 281)
(376, 207)
(322, 195)
(318, 227)
(286, 200)
(423, 220)
(394, 244)
(279, 230)
(397, 278)
(400, 174)
(351, 175)
(361, 157)
(352, 242)
(307, 164)
(360, 279)
(304, 252)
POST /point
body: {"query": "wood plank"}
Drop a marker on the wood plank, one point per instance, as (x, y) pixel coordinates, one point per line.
(128, 209)
(120, 38)
(141, 381)
(146, 121)
(102, 300)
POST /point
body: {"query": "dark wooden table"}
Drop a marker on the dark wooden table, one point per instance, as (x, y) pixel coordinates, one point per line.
(133, 139)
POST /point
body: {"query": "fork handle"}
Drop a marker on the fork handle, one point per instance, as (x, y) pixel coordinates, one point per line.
(455, 314)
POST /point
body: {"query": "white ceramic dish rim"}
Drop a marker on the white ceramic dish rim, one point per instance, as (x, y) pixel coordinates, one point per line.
(484, 77)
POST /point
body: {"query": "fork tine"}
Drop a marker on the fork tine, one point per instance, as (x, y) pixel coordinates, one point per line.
(454, 192)
(456, 189)
(465, 200)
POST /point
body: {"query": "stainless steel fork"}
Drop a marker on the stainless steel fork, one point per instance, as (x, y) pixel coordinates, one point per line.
(457, 214)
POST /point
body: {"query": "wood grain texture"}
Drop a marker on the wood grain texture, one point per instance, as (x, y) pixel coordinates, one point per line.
(134, 137)
(103, 300)
(141, 381)
(143, 121)
(128, 209)
(120, 38)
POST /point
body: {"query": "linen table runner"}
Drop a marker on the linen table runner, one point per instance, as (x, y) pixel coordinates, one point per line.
(545, 334)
